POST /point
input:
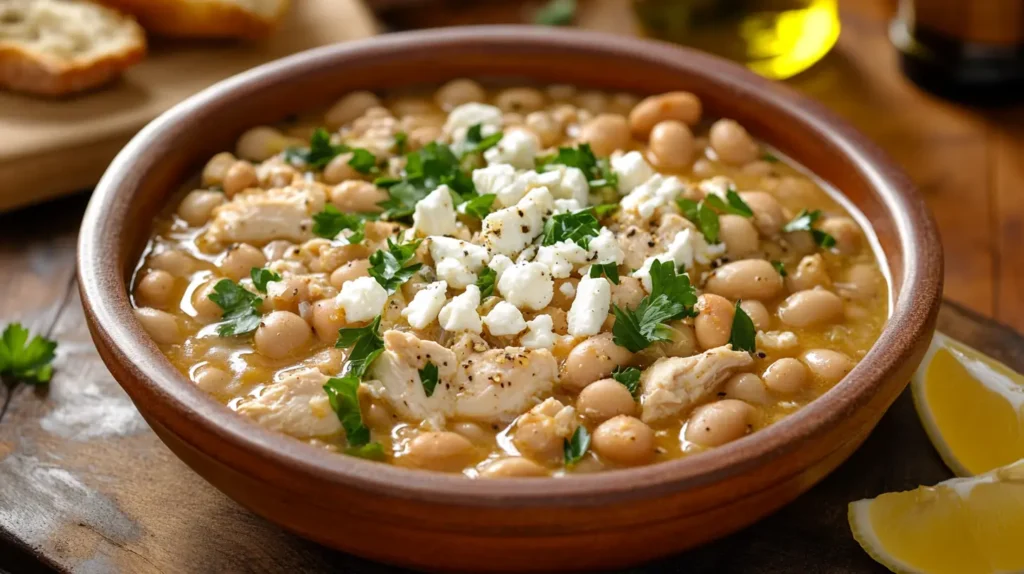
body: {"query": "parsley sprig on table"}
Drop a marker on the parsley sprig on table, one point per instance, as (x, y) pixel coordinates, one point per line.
(343, 392)
(578, 226)
(672, 297)
(321, 151)
(389, 267)
(241, 308)
(804, 221)
(331, 221)
(598, 170)
(25, 360)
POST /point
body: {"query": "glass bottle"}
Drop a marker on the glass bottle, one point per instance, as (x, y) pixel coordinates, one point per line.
(968, 50)
(775, 38)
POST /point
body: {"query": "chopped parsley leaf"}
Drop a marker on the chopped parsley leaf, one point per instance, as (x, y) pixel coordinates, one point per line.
(478, 206)
(804, 221)
(261, 276)
(556, 13)
(485, 281)
(363, 161)
(366, 345)
(769, 157)
(735, 205)
(780, 268)
(703, 216)
(331, 221)
(609, 270)
(369, 451)
(579, 227)
(319, 153)
(744, 334)
(672, 297)
(577, 446)
(343, 394)
(629, 377)
(425, 170)
(241, 308)
(476, 142)
(401, 142)
(389, 267)
(605, 209)
(25, 360)
(428, 376)
(598, 171)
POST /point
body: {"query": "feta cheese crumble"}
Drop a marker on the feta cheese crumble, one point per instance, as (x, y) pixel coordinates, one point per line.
(540, 335)
(425, 305)
(505, 319)
(590, 308)
(460, 313)
(463, 117)
(687, 247)
(561, 257)
(435, 213)
(605, 248)
(527, 285)
(516, 148)
(510, 230)
(656, 193)
(362, 299)
(457, 261)
(632, 169)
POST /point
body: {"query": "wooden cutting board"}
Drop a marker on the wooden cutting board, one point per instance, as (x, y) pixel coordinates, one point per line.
(54, 147)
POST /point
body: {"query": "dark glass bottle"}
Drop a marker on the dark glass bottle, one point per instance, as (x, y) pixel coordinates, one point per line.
(967, 50)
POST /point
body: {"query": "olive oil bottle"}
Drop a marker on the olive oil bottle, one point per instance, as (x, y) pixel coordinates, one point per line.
(775, 38)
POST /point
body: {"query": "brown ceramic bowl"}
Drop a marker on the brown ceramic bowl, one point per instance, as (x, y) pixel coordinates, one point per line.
(439, 521)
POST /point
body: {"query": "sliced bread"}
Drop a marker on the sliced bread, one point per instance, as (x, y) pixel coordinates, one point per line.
(205, 18)
(57, 47)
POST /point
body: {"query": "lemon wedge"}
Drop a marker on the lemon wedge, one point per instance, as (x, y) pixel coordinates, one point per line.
(972, 407)
(961, 526)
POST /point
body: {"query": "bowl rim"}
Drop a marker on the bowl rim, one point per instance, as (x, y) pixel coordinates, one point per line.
(194, 416)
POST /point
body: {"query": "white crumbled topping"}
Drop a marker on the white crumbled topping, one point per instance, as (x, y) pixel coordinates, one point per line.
(567, 206)
(528, 254)
(564, 182)
(605, 248)
(425, 306)
(510, 230)
(468, 115)
(500, 264)
(568, 289)
(540, 335)
(516, 148)
(362, 299)
(590, 307)
(632, 169)
(528, 285)
(686, 248)
(561, 257)
(505, 319)
(460, 313)
(494, 179)
(656, 193)
(457, 261)
(717, 185)
(435, 213)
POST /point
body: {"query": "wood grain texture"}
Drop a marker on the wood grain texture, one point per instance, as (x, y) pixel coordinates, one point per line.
(55, 147)
(966, 161)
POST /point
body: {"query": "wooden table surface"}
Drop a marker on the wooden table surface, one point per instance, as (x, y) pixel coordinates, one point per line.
(86, 487)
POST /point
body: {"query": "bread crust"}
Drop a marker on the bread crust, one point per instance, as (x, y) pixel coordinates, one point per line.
(200, 18)
(24, 69)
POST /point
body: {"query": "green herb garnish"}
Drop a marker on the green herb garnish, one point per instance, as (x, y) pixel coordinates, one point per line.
(804, 221)
(478, 206)
(485, 281)
(609, 270)
(780, 268)
(476, 142)
(605, 209)
(401, 142)
(343, 394)
(629, 377)
(330, 222)
(579, 227)
(735, 205)
(24, 360)
(425, 170)
(366, 345)
(389, 267)
(703, 216)
(241, 308)
(556, 13)
(598, 171)
(672, 297)
(575, 447)
(428, 376)
(261, 276)
(319, 153)
(369, 451)
(744, 334)
(769, 157)
(363, 161)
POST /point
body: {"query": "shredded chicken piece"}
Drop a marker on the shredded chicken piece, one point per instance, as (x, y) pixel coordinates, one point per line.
(396, 379)
(296, 405)
(259, 217)
(497, 385)
(674, 385)
(540, 432)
